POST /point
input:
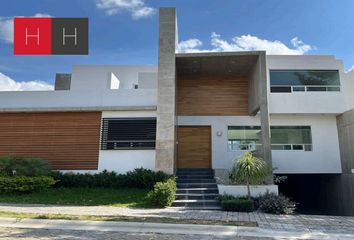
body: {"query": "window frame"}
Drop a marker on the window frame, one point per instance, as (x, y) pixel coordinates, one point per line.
(305, 147)
(131, 144)
(307, 88)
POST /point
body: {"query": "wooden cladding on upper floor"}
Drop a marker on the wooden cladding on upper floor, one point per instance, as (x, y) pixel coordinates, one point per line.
(212, 95)
(68, 140)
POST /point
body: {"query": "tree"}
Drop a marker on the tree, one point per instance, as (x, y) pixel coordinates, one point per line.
(249, 170)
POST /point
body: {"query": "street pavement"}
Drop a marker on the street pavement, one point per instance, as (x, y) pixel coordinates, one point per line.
(12, 228)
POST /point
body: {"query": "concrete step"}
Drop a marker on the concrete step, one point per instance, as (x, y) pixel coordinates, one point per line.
(188, 176)
(203, 190)
(196, 189)
(196, 180)
(202, 172)
(197, 196)
(197, 185)
(196, 203)
(195, 170)
(211, 208)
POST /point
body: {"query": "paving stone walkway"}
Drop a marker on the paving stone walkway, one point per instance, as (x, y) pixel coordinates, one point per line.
(306, 223)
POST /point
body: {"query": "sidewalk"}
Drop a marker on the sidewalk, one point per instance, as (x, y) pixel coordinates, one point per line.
(303, 223)
(163, 228)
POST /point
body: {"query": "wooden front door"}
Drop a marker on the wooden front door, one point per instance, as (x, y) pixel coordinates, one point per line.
(194, 147)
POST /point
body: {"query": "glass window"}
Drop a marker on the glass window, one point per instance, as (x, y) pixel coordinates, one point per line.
(128, 133)
(299, 89)
(244, 137)
(291, 138)
(314, 80)
(282, 138)
(280, 89)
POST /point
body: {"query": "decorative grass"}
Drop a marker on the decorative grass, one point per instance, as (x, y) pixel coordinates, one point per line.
(127, 219)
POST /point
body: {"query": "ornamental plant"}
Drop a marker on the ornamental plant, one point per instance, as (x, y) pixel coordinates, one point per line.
(249, 170)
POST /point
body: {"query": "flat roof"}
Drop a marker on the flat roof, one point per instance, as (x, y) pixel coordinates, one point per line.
(236, 63)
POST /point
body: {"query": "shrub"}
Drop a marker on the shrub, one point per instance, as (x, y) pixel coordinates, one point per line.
(229, 203)
(24, 184)
(138, 178)
(145, 178)
(18, 166)
(164, 193)
(275, 204)
(7, 165)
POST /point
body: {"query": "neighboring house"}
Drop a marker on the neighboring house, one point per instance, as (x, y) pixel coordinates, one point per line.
(195, 110)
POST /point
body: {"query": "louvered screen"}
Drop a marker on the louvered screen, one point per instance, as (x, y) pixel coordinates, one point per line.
(128, 133)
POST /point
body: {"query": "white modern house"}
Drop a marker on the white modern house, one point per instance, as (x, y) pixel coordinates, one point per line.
(195, 111)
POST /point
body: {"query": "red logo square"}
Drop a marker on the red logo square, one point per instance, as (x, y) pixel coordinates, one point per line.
(32, 36)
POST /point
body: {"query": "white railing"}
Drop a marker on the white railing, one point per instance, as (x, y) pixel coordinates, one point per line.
(253, 147)
(309, 88)
(303, 147)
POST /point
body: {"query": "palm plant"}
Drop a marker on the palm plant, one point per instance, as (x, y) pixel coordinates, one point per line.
(249, 170)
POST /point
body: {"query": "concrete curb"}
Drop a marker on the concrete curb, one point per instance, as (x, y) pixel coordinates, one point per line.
(136, 227)
(164, 228)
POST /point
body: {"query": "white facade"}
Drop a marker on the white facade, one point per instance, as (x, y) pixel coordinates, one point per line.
(78, 100)
(324, 158)
(221, 157)
(122, 161)
(90, 90)
(310, 102)
(241, 190)
(315, 109)
(97, 77)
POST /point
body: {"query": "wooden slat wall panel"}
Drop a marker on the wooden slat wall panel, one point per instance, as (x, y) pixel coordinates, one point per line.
(212, 95)
(68, 140)
(194, 147)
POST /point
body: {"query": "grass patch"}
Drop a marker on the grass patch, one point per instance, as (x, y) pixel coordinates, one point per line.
(126, 219)
(129, 197)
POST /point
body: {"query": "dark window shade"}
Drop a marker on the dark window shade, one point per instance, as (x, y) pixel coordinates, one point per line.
(128, 133)
(280, 89)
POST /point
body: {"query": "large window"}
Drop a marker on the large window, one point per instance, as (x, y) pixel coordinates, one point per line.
(304, 81)
(244, 137)
(128, 133)
(291, 138)
(282, 138)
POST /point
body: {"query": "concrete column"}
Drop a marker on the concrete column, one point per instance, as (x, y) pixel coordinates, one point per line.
(264, 114)
(166, 99)
(345, 125)
(62, 81)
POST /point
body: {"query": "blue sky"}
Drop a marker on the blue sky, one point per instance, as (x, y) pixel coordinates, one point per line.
(125, 31)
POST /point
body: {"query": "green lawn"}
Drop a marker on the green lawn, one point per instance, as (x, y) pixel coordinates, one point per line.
(128, 197)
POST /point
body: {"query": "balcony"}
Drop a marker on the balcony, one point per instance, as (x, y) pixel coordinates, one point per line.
(307, 102)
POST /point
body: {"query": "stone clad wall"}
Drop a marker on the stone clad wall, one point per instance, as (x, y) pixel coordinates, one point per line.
(166, 97)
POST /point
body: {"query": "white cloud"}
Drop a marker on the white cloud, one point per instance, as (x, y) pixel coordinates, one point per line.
(189, 45)
(350, 69)
(8, 84)
(137, 8)
(7, 30)
(246, 43)
(7, 27)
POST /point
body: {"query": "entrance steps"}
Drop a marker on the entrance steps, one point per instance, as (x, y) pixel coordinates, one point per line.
(196, 189)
